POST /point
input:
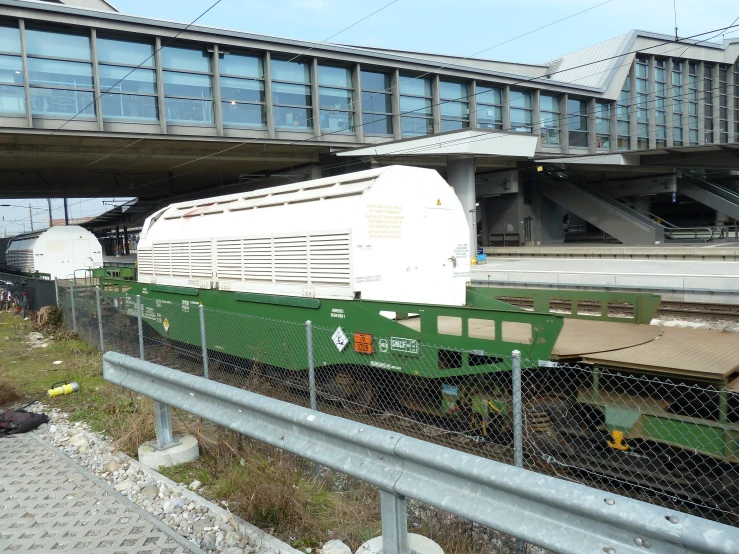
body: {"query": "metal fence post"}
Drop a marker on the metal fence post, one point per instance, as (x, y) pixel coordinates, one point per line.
(100, 318)
(141, 327)
(74, 316)
(203, 342)
(517, 422)
(394, 523)
(311, 366)
(56, 290)
(311, 376)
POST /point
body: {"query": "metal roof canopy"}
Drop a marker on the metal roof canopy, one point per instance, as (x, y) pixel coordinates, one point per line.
(466, 142)
(709, 156)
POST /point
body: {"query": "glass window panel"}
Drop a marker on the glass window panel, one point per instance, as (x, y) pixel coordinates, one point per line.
(578, 139)
(677, 135)
(603, 142)
(241, 65)
(419, 106)
(125, 52)
(520, 99)
(488, 116)
(622, 112)
(623, 128)
(338, 99)
(12, 100)
(693, 136)
(284, 70)
(549, 120)
(187, 84)
(453, 125)
(129, 106)
(642, 86)
(337, 122)
(575, 106)
(189, 111)
(11, 69)
(677, 105)
(295, 95)
(414, 85)
(693, 108)
(661, 132)
(659, 75)
(189, 59)
(642, 71)
(602, 110)
(374, 124)
(334, 76)
(642, 129)
(550, 137)
(47, 101)
(10, 39)
(140, 80)
(660, 88)
(660, 118)
(416, 126)
(56, 73)
(548, 103)
(486, 95)
(520, 118)
(642, 115)
(372, 80)
(602, 126)
(242, 90)
(57, 45)
(377, 103)
(677, 120)
(455, 109)
(452, 91)
(293, 118)
(248, 115)
(577, 122)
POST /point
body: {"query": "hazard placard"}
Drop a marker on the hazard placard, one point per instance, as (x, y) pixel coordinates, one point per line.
(363, 343)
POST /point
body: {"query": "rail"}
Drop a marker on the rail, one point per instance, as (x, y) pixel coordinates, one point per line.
(552, 513)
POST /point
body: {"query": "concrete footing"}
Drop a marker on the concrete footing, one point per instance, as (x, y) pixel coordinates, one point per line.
(186, 451)
(418, 544)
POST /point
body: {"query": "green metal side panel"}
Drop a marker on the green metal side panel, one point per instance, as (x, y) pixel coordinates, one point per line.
(185, 291)
(274, 332)
(644, 305)
(696, 435)
(299, 302)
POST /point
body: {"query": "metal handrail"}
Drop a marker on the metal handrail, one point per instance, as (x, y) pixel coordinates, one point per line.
(553, 513)
(695, 230)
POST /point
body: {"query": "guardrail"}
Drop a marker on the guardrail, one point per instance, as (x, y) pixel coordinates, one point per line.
(552, 513)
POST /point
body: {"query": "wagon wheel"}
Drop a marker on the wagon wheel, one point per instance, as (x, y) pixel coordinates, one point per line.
(357, 394)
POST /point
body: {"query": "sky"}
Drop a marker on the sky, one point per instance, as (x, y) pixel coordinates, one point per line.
(479, 28)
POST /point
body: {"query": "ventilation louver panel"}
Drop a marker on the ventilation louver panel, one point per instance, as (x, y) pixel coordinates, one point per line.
(146, 263)
(329, 259)
(257, 259)
(291, 259)
(201, 259)
(162, 263)
(179, 254)
(228, 256)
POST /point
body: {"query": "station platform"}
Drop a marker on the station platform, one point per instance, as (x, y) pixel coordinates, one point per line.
(675, 280)
(728, 251)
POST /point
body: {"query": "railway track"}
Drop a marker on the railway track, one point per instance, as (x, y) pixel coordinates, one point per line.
(681, 309)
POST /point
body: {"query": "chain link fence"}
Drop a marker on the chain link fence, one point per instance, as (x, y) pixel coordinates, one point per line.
(670, 442)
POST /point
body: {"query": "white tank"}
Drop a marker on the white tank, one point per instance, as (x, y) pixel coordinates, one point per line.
(58, 251)
(395, 234)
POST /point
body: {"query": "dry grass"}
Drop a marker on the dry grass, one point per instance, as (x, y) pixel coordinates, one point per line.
(9, 393)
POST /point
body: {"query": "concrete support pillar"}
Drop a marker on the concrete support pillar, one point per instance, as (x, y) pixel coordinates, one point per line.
(316, 104)
(537, 117)
(633, 128)
(436, 103)
(268, 104)
(731, 95)
(669, 93)
(507, 108)
(98, 101)
(461, 176)
(651, 106)
(591, 107)
(357, 101)
(473, 104)
(701, 105)
(686, 103)
(217, 106)
(564, 124)
(160, 85)
(29, 117)
(395, 98)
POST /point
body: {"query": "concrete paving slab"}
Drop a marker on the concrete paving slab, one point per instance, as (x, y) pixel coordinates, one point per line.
(48, 503)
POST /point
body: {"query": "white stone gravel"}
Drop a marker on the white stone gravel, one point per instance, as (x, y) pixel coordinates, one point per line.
(198, 520)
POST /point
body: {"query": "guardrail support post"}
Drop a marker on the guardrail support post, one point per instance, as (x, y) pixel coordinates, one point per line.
(74, 316)
(100, 318)
(203, 342)
(394, 523)
(163, 420)
(139, 317)
(517, 422)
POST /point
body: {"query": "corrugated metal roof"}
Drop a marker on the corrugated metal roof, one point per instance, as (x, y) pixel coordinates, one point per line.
(568, 68)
